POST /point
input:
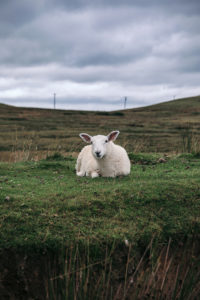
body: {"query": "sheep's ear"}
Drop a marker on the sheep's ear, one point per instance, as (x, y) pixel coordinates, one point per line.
(85, 137)
(113, 135)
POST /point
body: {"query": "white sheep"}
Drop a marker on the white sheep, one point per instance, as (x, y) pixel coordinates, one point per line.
(102, 157)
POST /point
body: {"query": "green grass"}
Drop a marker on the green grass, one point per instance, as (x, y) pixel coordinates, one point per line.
(44, 204)
(71, 231)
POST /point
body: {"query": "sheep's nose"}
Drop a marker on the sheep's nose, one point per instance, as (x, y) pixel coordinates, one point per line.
(98, 153)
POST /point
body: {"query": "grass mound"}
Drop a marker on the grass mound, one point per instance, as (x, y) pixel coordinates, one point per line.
(148, 221)
(45, 202)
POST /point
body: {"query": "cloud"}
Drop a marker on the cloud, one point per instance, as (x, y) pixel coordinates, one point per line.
(96, 52)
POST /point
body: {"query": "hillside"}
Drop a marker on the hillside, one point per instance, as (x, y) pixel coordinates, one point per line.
(163, 127)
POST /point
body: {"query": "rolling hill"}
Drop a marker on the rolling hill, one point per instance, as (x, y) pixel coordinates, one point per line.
(166, 127)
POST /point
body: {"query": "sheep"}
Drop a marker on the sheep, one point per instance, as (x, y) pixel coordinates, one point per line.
(102, 157)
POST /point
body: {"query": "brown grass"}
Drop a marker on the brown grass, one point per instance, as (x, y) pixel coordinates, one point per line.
(167, 127)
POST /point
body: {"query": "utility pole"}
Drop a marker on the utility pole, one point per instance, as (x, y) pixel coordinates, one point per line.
(125, 101)
(54, 100)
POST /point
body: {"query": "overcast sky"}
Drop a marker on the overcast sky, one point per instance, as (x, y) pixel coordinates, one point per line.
(94, 53)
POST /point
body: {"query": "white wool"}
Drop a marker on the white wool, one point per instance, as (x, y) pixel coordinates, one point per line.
(103, 157)
(86, 164)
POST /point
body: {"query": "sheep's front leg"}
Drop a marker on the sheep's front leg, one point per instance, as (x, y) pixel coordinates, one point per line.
(81, 173)
(94, 174)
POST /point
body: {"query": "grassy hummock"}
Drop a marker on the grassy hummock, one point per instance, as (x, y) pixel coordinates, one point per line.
(44, 204)
(134, 237)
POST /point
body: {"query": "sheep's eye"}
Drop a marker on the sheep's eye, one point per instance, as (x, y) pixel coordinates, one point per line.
(106, 141)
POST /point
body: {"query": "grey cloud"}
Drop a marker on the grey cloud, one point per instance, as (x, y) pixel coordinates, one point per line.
(82, 40)
(173, 5)
(81, 43)
(120, 43)
(14, 14)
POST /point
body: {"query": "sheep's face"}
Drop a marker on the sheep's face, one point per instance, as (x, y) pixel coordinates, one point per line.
(99, 146)
(100, 143)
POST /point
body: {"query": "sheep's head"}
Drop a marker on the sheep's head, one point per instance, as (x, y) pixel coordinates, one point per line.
(99, 143)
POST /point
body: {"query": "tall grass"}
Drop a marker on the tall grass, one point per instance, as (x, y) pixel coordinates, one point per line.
(166, 274)
(190, 141)
(29, 149)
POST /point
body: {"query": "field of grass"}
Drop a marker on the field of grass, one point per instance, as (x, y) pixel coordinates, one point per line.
(136, 237)
(44, 207)
(173, 126)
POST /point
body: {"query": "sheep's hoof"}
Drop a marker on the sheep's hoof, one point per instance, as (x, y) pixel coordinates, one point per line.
(94, 174)
(80, 174)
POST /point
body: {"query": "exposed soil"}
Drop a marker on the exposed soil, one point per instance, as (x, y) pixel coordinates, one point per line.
(22, 277)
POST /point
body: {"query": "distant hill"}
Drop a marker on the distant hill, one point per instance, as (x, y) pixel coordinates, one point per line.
(161, 127)
(178, 105)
